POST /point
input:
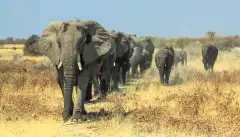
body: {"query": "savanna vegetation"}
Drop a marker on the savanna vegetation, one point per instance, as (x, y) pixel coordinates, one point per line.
(196, 103)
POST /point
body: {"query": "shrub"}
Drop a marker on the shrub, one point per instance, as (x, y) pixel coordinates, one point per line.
(30, 47)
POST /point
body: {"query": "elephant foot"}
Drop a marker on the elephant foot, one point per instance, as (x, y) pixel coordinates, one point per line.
(79, 116)
(87, 101)
(66, 116)
(96, 95)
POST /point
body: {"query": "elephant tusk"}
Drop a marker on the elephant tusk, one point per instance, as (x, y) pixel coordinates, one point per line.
(114, 64)
(60, 65)
(79, 61)
(79, 66)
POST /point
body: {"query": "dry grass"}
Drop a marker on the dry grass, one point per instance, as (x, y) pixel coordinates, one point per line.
(10, 46)
(196, 104)
(23, 89)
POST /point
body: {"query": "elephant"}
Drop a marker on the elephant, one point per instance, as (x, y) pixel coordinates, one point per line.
(106, 71)
(115, 66)
(77, 49)
(148, 50)
(103, 76)
(209, 56)
(180, 56)
(127, 65)
(164, 60)
(142, 54)
(123, 54)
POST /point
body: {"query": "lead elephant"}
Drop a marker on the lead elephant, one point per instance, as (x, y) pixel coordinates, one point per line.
(77, 49)
(164, 60)
(209, 55)
(142, 54)
(180, 56)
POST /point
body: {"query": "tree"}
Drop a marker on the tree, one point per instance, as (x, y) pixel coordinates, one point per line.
(30, 47)
(1, 42)
(182, 42)
(10, 40)
(210, 35)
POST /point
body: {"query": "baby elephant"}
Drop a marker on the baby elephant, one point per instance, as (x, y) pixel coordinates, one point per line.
(164, 60)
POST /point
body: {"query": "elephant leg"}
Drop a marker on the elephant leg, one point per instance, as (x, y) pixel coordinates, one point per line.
(89, 92)
(205, 65)
(124, 72)
(142, 66)
(208, 66)
(79, 109)
(103, 84)
(134, 70)
(212, 66)
(167, 74)
(182, 62)
(161, 74)
(115, 77)
(83, 79)
(104, 87)
(97, 89)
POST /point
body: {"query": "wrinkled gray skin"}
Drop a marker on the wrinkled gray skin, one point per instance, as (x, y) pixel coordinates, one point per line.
(142, 54)
(180, 56)
(77, 49)
(164, 60)
(209, 55)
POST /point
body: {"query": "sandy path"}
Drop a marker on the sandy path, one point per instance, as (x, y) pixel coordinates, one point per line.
(47, 129)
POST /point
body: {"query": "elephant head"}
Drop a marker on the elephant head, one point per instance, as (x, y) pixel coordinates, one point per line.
(148, 47)
(121, 43)
(70, 46)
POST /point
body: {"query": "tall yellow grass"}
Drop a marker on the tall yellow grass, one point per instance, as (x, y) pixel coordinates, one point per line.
(198, 103)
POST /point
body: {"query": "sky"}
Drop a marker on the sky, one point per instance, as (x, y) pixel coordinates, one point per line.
(162, 18)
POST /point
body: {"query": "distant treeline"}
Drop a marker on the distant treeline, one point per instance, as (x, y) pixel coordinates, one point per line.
(11, 40)
(222, 42)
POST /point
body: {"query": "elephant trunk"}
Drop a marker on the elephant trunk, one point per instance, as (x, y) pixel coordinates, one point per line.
(69, 63)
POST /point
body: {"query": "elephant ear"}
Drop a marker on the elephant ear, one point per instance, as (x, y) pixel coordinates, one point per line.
(101, 42)
(48, 43)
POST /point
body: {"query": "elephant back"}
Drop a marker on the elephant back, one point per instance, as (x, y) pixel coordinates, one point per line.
(209, 50)
(146, 43)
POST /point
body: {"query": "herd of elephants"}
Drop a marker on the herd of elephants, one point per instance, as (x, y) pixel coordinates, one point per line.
(85, 53)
